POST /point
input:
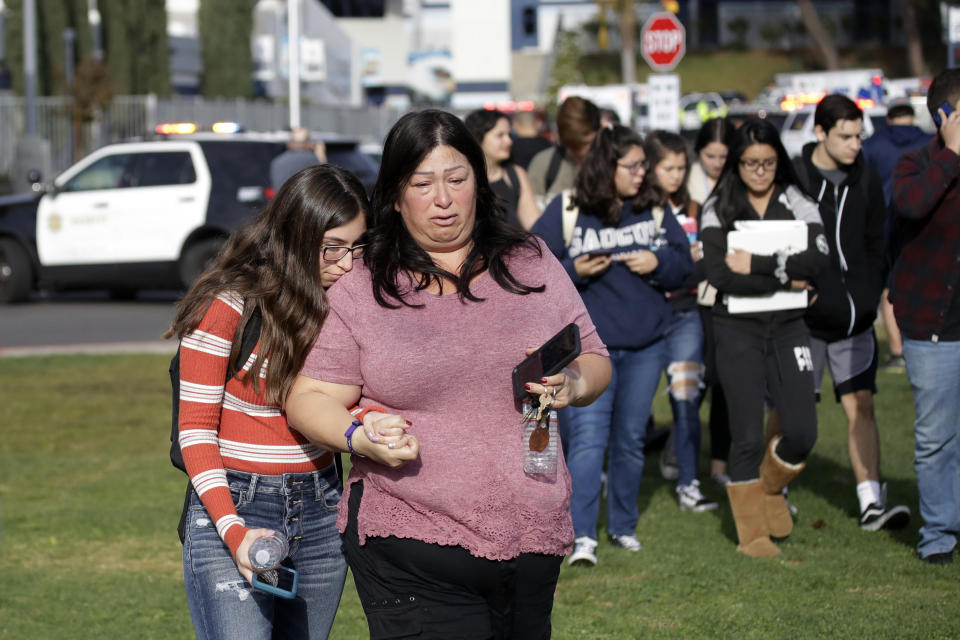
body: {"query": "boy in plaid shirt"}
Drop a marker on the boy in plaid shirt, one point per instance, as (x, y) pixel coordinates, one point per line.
(926, 276)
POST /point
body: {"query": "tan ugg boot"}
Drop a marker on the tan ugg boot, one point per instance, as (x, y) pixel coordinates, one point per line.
(746, 501)
(775, 475)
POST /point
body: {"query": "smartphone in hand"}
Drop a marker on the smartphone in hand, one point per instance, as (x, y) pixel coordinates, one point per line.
(549, 359)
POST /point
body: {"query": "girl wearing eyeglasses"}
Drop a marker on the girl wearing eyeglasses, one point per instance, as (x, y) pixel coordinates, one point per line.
(250, 473)
(762, 356)
(622, 260)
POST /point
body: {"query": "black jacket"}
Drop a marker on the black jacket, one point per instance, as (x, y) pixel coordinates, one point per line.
(853, 213)
(785, 204)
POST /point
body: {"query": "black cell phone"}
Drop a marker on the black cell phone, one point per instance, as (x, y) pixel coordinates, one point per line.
(554, 355)
(947, 110)
(600, 253)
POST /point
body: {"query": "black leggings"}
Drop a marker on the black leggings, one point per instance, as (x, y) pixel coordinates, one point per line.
(755, 367)
(719, 419)
(413, 589)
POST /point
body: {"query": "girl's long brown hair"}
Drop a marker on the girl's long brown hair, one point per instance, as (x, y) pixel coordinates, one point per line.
(273, 262)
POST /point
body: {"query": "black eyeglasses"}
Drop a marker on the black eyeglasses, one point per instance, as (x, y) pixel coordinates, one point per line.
(333, 252)
(752, 164)
(634, 168)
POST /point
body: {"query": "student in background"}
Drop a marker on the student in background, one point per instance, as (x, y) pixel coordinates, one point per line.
(882, 151)
(555, 169)
(664, 189)
(850, 197)
(622, 262)
(509, 181)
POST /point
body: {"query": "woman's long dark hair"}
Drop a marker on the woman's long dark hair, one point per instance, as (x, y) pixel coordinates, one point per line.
(392, 251)
(481, 121)
(657, 145)
(730, 192)
(595, 188)
(273, 262)
(713, 130)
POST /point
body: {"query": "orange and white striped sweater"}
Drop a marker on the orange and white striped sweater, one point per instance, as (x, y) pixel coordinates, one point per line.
(231, 426)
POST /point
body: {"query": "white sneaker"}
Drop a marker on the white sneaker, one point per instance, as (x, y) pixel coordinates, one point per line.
(628, 542)
(584, 552)
(692, 500)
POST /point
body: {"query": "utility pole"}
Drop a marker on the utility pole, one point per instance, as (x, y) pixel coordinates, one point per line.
(293, 60)
(30, 62)
(628, 42)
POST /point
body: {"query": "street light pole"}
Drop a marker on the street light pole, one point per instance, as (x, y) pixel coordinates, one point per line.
(293, 59)
(30, 63)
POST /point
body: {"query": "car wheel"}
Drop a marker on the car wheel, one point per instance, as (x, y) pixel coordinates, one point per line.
(197, 257)
(16, 273)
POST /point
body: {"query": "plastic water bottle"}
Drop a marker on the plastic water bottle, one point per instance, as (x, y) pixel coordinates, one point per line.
(265, 555)
(267, 552)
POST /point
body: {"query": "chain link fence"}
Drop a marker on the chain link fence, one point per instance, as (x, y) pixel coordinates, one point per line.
(132, 117)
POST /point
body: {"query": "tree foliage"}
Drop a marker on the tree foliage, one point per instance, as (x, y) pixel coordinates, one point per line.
(226, 27)
(134, 36)
(53, 17)
(135, 45)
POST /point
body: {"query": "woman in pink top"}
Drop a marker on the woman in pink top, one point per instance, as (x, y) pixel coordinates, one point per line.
(458, 542)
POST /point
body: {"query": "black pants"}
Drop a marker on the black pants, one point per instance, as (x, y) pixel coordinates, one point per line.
(754, 367)
(719, 418)
(413, 589)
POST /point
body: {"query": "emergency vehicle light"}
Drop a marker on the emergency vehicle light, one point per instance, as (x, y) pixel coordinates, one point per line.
(226, 127)
(169, 128)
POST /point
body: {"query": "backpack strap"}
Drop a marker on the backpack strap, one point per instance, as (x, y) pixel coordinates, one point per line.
(559, 152)
(569, 212)
(248, 340)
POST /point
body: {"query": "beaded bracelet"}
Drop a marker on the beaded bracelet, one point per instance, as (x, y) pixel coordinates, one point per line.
(349, 434)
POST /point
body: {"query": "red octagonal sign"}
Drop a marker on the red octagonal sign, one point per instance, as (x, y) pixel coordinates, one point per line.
(663, 41)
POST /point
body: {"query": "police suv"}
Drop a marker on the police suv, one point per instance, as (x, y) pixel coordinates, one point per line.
(143, 215)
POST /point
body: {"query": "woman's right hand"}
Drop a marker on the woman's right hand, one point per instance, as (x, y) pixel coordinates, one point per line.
(243, 552)
(588, 266)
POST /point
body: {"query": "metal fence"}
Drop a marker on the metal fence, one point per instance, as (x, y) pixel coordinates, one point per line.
(136, 116)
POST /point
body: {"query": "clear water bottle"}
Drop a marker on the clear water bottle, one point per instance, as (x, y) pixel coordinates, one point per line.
(267, 552)
(265, 555)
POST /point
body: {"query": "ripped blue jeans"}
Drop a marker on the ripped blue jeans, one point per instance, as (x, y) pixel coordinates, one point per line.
(684, 366)
(303, 506)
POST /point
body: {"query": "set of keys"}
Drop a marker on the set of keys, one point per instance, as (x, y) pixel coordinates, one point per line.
(540, 412)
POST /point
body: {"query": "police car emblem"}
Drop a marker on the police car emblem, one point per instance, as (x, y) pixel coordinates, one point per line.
(55, 222)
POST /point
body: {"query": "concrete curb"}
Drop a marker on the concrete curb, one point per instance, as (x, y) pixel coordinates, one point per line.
(168, 347)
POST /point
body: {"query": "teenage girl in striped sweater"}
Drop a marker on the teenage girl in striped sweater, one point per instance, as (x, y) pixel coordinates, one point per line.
(251, 473)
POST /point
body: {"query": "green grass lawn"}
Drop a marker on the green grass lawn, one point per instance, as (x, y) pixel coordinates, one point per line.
(90, 503)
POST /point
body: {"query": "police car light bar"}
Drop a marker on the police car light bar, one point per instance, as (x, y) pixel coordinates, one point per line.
(171, 128)
(226, 127)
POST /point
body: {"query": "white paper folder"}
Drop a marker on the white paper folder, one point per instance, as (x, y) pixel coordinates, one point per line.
(765, 238)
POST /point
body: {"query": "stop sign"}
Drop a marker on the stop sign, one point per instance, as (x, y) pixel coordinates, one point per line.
(663, 41)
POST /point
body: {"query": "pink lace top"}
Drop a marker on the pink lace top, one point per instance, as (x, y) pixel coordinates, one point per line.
(446, 367)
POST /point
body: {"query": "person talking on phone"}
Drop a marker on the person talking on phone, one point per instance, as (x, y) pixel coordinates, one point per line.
(923, 289)
(622, 260)
(459, 543)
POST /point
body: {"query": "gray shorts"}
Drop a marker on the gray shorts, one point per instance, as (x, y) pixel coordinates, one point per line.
(852, 362)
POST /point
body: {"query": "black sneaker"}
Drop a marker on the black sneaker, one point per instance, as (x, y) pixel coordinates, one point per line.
(877, 516)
